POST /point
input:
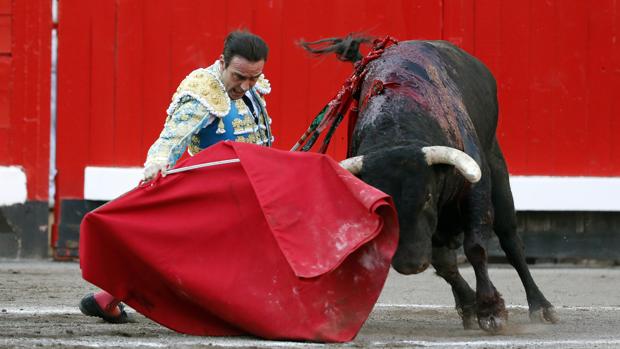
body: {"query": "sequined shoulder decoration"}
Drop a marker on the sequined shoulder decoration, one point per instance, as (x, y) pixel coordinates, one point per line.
(262, 85)
(204, 86)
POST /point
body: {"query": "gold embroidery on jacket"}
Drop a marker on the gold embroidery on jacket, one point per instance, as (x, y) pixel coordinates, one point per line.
(209, 90)
(194, 145)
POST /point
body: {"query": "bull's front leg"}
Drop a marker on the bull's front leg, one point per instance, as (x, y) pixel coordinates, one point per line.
(490, 308)
(444, 262)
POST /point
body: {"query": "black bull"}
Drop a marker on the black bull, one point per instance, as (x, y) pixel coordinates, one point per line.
(431, 93)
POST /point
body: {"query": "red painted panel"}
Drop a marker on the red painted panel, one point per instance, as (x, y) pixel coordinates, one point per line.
(5, 7)
(74, 96)
(5, 152)
(600, 72)
(423, 19)
(570, 115)
(542, 76)
(5, 34)
(102, 84)
(512, 76)
(29, 118)
(183, 49)
(128, 131)
(239, 14)
(614, 71)
(487, 38)
(198, 31)
(39, 71)
(459, 23)
(157, 71)
(19, 87)
(5, 93)
(615, 122)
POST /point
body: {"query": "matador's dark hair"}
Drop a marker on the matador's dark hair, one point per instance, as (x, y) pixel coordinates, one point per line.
(245, 44)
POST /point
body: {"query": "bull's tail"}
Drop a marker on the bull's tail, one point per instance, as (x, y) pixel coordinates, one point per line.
(345, 100)
(346, 48)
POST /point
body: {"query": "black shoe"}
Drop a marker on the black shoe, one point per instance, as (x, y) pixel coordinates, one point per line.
(89, 306)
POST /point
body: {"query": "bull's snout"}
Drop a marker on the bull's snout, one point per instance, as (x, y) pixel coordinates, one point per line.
(412, 258)
(408, 267)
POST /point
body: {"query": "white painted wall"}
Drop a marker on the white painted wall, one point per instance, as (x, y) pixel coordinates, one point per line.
(531, 193)
(540, 193)
(13, 189)
(107, 183)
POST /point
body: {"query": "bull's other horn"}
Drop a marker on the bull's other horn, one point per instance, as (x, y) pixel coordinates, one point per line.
(445, 155)
(354, 164)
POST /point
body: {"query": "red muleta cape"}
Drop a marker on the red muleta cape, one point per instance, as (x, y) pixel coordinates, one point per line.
(282, 245)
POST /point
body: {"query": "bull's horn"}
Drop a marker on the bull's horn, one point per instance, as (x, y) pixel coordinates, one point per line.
(354, 164)
(451, 156)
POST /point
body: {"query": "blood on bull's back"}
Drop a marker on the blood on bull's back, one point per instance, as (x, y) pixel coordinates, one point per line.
(431, 91)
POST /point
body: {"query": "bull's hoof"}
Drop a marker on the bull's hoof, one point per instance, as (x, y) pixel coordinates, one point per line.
(544, 315)
(469, 323)
(492, 314)
(468, 316)
(493, 324)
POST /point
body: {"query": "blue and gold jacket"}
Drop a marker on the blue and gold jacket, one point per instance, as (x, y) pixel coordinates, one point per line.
(201, 114)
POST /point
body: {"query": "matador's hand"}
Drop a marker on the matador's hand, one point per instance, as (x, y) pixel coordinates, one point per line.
(152, 170)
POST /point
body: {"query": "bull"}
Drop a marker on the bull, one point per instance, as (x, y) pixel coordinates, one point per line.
(426, 136)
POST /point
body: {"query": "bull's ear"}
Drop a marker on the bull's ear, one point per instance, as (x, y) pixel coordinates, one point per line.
(464, 163)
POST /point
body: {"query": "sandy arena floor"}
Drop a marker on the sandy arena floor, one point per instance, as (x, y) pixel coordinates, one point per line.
(38, 308)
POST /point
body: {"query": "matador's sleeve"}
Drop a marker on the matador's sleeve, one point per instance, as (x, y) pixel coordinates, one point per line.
(187, 119)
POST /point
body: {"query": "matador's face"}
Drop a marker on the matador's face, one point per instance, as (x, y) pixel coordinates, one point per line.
(240, 75)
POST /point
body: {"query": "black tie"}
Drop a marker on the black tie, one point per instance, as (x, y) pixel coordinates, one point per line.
(248, 102)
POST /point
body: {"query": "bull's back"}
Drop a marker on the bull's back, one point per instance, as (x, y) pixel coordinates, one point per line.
(434, 92)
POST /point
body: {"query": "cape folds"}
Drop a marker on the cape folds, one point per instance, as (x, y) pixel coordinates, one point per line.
(280, 245)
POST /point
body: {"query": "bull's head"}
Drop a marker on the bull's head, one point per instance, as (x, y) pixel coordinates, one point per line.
(408, 175)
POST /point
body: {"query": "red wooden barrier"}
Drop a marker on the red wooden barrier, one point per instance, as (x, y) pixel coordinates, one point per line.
(25, 36)
(556, 63)
(25, 32)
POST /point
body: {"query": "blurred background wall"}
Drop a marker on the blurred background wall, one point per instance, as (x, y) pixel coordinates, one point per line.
(557, 65)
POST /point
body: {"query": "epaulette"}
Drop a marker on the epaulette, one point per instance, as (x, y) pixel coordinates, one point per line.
(202, 85)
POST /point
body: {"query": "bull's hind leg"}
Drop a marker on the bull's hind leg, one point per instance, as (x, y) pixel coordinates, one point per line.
(478, 216)
(444, 262)
(505, 226)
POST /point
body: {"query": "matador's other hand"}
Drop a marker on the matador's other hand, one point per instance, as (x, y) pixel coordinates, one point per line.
(152, 170)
